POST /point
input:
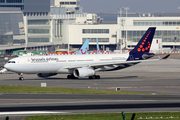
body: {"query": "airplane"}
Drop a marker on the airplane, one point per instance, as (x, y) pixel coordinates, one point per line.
(78, 66)
(84, 48)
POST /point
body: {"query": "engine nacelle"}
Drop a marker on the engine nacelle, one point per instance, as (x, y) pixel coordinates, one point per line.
(83, 72)
(44, 75)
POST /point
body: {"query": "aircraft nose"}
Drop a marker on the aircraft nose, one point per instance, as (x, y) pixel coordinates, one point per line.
(6, 66)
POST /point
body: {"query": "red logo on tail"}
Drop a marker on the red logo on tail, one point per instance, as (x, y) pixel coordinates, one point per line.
(82, 51)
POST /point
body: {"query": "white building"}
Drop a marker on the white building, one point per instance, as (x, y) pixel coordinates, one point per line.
(109, 35)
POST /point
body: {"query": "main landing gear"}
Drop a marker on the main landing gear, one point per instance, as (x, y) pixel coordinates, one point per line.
(94, 77)
(71, 77)
(21, 76)
(90, 77)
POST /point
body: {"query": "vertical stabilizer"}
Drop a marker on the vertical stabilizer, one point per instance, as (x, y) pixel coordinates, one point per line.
(84, 48)
(143, 45)
(98, 50)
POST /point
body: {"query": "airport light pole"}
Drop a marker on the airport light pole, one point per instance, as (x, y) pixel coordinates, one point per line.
(120, 12)
(126, 8)
(68, 29)
(120, 23)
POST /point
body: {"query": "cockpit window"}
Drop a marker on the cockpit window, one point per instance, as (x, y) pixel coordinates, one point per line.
(11, 62)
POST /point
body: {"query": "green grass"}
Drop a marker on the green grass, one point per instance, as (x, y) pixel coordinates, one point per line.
(110, 116)
(33, 89)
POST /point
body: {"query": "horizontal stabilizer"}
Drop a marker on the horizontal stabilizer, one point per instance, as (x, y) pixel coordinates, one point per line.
(165, 57)
(147, 56)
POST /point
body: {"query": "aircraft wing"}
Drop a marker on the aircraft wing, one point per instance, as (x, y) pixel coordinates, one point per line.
(121, 64)
(124, 64)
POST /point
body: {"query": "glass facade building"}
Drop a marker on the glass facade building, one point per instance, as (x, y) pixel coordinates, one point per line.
(95, 31)
(69, 3)
(166, 35)
(93, 40)
(12, 3)
(17, 6)
(39, 31)
(58, 27)
(11, 27)
(35, 21)
(27, 5)
(157, 23)
(37, 6)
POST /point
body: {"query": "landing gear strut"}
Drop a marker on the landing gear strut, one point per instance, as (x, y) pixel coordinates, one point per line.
(21, 77)
(94, 77)
(71, 77)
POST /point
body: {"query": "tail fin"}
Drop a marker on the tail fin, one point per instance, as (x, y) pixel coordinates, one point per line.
(98, 50)
(143, 45)
(84, 48)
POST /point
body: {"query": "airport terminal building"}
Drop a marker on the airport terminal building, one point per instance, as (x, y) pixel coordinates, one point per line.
(11, 28)
(52, 24)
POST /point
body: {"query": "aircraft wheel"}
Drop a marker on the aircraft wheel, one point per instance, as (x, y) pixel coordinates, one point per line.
(98, 77)
(71, 77)
(90, 77)
(21, 78)
(75, 77)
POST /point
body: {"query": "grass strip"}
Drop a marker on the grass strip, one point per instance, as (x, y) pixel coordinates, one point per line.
(34, 89)
(110, 116)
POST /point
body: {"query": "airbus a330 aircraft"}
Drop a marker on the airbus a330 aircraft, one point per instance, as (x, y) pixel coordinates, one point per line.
(81, 65)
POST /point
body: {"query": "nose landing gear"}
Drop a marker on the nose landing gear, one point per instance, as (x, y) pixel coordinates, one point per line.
(21, 76)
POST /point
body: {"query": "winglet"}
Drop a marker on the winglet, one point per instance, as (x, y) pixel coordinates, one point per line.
(84, 48)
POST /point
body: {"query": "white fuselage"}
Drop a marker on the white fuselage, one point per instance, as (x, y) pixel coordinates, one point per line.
(59, 63)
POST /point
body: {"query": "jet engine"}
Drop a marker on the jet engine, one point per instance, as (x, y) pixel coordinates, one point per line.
(44, 75)
(83, 72)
